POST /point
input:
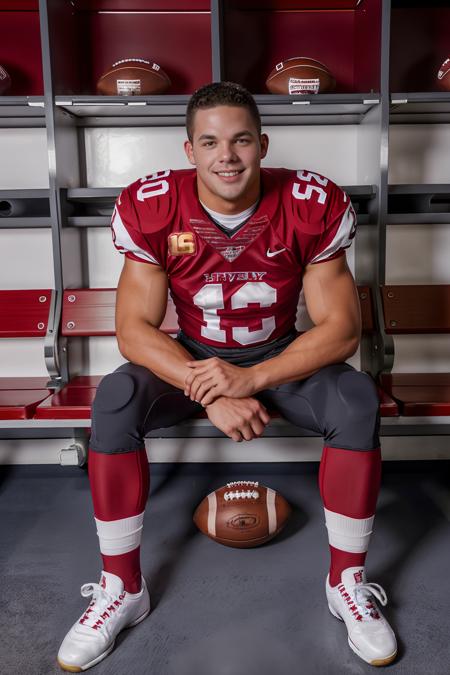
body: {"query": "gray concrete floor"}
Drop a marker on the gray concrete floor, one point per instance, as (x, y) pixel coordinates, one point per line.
(219, 610)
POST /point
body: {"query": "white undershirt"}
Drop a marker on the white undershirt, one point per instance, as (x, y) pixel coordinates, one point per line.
(231, 222)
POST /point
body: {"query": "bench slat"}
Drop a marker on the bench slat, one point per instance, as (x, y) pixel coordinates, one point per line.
(416, 309)
(24, 313)
(91, 311)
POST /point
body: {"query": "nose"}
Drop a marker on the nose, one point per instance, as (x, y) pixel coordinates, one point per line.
(227, 153)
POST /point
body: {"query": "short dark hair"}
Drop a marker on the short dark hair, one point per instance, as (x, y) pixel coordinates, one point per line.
(220, 93)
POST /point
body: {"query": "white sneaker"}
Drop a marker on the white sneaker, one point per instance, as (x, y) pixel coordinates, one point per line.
(111, 610)
(369, 634)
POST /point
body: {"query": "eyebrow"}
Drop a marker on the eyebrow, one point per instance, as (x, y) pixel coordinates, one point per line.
(211, 137)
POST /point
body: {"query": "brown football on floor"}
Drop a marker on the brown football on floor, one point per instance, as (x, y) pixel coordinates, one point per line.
(242, 514)
(300, 75)
(133, 77)
(443, 76)
(5, 80)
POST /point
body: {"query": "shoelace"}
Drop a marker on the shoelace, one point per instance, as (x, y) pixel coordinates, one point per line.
(102, 605)
(362, 593)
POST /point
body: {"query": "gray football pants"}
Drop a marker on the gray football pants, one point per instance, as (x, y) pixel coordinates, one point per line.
(337, 402)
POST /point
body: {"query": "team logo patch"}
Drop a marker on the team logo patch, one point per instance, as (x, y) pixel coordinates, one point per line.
(182, 243)
(229, 248)
(244, 521)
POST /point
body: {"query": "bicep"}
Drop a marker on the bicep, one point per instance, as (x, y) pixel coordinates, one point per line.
(141, 295)
(330, 293)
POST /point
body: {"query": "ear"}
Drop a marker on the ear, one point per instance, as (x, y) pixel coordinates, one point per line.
(264, 142)
(189, 152)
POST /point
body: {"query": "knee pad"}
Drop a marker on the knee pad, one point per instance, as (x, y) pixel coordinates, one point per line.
(116, 415)
(114, 392)
(353, 412)
(357, 393)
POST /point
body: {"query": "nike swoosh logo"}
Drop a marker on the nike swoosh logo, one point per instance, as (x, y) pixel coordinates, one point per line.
(270, 253)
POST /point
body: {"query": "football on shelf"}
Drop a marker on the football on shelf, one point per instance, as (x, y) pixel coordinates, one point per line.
(5, 80)
(300, 75)
(242, 514)
(133, 77)
(443, 75)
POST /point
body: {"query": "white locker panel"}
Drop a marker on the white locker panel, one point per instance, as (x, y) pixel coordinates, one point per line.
(418, 254)
(419, 153)
(23, 159)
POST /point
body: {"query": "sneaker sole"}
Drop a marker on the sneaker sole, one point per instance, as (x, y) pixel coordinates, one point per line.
(374, 662)
(80, 669)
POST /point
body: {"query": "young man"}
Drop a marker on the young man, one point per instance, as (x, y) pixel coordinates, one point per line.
(235, 244)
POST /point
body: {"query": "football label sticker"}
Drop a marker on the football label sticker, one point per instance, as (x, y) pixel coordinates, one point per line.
(301, 85)
(128, 87)
(181, 243)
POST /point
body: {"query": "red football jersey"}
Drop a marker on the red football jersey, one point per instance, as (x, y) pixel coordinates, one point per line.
(241, 288)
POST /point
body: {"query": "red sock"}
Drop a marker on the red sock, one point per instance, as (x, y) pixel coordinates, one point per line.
(349, 482)
(120, 487)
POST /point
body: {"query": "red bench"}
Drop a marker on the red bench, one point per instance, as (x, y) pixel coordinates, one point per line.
(422, 310)
(23, 314)
(90, 312)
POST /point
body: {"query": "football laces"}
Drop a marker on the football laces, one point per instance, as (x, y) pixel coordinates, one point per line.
(241, 494)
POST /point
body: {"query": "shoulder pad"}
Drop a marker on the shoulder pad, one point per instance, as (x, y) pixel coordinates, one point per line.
(150, 201)
(316, 200)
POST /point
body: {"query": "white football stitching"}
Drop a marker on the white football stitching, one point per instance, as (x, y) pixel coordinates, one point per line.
(249, 494)
(243, 482)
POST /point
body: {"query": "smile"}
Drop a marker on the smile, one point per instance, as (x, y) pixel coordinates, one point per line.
(228, 174)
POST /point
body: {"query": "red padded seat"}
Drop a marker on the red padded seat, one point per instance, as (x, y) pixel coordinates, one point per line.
(21, 404)
(419, 394)
(73, 403)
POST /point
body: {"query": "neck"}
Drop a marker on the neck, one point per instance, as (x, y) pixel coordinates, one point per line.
(228, 207)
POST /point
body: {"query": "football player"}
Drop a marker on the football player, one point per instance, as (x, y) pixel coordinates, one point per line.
(234, 244)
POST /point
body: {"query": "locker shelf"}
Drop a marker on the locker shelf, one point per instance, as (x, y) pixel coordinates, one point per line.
(24, 208)
(95, 111)
(420, 108)
(419, 204)
(22, 111)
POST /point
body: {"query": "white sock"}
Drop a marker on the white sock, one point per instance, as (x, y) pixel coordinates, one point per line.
(120, 536)
(348, 534)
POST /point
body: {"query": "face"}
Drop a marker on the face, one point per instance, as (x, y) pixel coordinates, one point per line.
(227, 150)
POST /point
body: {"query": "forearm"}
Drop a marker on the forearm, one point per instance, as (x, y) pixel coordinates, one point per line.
(147, 346)
(320, 346)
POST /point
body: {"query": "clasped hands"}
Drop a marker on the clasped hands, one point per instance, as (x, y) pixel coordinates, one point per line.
(226, 392)
(211, 378)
